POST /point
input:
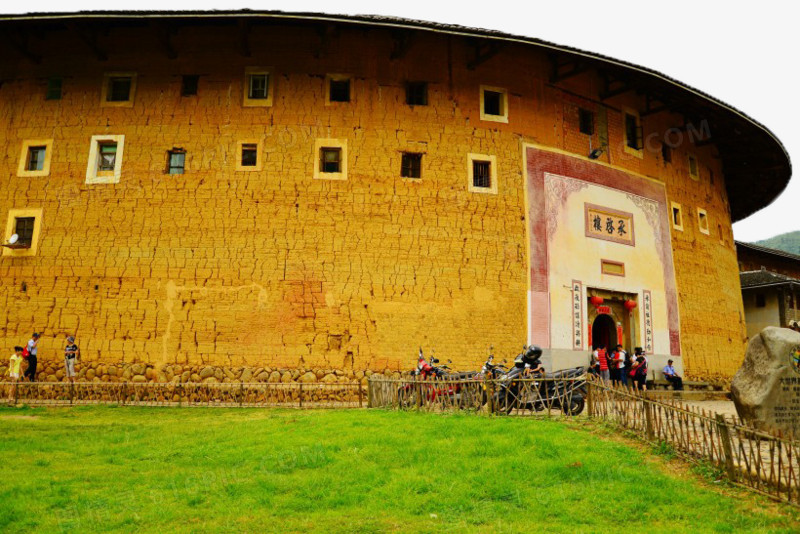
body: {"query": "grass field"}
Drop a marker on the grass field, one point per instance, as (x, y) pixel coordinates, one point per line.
(99, 469)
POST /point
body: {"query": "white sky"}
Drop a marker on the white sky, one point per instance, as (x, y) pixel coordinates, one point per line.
(739, 52)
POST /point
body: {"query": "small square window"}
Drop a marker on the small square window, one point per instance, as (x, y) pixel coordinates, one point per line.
(666, 153)
(119, 89)
(481, 174)
(330, 160)
(702, 221)
(26, 224)
(761, 300)
(694, 171)
(23, 227)
(339, 90)
(53, 89)
(189, 84)
(258, 86)
(586, 121)
(417, 94)
(249, 155)
(176, 160)
(677, 216)
(492, 103)
(411, 165)
(633, 132)
(36, 158)
(107, 157)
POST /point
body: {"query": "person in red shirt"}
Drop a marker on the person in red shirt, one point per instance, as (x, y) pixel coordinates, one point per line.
(602, 358)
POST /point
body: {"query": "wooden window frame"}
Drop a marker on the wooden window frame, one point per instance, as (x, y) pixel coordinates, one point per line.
(702, 216)
(319, 146)
(637, 148)
(240, 146)
(249, 72)
(49, 94)
(673, 207)
(27, 145)
(696, 174)
(331, 78)
(407, 171)
(107, 77)
(170, 153)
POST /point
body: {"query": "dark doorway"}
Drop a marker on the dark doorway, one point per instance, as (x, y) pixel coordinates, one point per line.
(604, 332)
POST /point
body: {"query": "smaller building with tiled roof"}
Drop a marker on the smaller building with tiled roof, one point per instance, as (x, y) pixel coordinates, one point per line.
(770, 281)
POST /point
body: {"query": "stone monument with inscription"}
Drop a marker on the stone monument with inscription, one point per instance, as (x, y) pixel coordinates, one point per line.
(766, 389)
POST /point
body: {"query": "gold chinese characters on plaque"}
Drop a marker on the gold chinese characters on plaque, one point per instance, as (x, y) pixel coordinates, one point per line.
(609, 224)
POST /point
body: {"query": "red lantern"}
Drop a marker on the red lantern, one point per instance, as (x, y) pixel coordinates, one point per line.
(596, 301)
(630, 305)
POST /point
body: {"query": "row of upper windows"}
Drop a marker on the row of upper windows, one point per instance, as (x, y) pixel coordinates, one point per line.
(702, 221)
(330, 162)
(119, 89)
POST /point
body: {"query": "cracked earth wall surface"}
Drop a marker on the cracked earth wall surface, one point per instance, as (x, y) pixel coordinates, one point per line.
(274, 269)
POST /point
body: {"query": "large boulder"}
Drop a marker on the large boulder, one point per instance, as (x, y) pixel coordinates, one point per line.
(766, 389)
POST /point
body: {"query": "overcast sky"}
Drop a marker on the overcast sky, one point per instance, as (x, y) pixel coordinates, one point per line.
(741, 53)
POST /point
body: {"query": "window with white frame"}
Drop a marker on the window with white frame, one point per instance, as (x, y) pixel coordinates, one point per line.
(105, 159)
(482, 173)
(258, 87)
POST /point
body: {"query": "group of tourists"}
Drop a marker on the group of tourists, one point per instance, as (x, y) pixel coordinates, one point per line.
(619, 367)
(29, 353)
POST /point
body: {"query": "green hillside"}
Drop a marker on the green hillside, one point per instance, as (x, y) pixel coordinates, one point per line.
(789, 242)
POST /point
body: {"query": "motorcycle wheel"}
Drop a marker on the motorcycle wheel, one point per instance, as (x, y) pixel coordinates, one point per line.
(575, 407)
(504, 402)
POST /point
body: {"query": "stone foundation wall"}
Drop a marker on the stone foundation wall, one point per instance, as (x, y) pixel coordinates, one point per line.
(51, 371)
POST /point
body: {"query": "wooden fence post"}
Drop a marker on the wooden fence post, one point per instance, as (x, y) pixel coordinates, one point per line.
(589, 399)
(648, 419)
(490, 396)
(725, 437)
(419, 394)
(124, 392)
(360, 396)
(300, 395)
(369, 393)
(241, 394)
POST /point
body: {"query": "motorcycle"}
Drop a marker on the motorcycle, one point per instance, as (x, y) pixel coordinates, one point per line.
(429, 373)
(489, 371)
(564, 390)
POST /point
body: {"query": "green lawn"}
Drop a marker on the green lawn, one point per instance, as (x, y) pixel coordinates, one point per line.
(99, 469)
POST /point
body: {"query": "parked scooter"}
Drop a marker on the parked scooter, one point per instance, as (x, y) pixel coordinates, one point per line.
(553, 390)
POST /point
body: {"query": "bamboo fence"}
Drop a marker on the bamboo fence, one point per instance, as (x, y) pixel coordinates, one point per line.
(766, 462)
(546, 397)
(269, 394)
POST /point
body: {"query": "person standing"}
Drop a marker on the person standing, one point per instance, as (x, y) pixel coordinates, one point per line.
(33, 347)
(639, 370)
(619, 365)
(672, 377)
(71, 353)
(13, 370)
(602, 357)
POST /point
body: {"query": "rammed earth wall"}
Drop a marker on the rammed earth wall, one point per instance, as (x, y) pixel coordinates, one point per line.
(274, 269)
